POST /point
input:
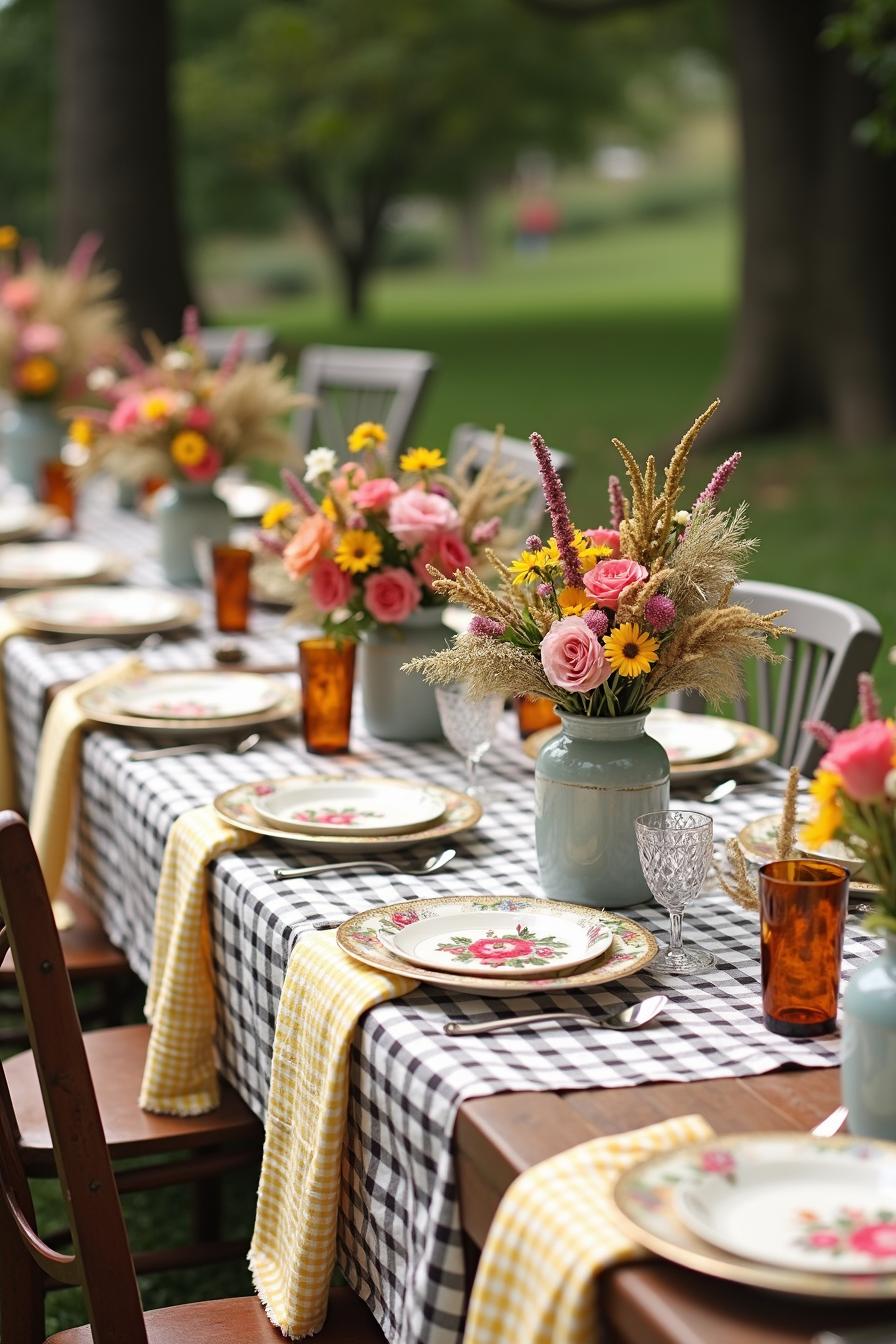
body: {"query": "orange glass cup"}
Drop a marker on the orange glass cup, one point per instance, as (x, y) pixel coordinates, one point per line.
(802, 912)
(534, 713)
(327, 669)
(232, 567)
(57, 488)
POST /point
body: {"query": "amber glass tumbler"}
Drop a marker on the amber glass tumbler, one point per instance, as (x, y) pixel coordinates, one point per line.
(57, 488)
(802, 911)
(535, 714)
(232, 567)
(327, 669)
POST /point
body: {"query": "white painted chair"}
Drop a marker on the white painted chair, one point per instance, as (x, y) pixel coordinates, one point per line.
(517, 454)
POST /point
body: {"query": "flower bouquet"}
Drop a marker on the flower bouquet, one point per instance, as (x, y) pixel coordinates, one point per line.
(56, 323)
(363, 544)
(605, 622)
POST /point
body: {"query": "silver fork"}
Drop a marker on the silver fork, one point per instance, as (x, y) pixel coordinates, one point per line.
(831, 1124)
(432, 865)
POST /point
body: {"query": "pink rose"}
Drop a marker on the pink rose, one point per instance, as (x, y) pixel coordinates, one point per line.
(824, 1239)
(877, 1240)
(41, 338)
(310, 540)
(330, 586)
(391, 595)
(206, 469)
(375, 494)
(418, 514)
(199, 418)
(862, 757)
(448, 553)
(500, 949)
(19, 294)
(718, 1161)
(404, 919)
(125, 415)
(604, 536)
(609, 578)
(572, 657)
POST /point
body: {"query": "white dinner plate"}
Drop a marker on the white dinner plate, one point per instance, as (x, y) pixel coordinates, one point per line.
(23, 518)
(795, 1202)
(33, 565)
(688, 738)
(192, 695)
(502, 944)
(759, 841)
(352, 807)
(104, 610)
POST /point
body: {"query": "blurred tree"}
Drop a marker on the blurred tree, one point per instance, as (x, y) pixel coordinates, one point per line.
(353, 111)
(26, 45)
(116, 171)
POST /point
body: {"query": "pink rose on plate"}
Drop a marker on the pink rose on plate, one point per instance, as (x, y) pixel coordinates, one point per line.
(376, 494)
(125, 415)
(607, 581)
(417, 514)
(824, 1239)
(447, 552)
(41, 338)
(862, 757)
(330, 587)
(19, 294)
(718, 1161)
(604, 536)
(310, 540)
(206, 469)
(404, 919)
(877, 1240)
(391, 595)
(572, 657)
(500, 949)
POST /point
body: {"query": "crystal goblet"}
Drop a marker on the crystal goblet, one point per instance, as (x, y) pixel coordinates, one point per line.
(468, 724)
(675, 849)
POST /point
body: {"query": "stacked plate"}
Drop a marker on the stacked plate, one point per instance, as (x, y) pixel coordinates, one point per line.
(348, 816)
(759, 842)
(180, 703)
(789, 1212)
(498, 945)
(23, 518)
(103, 611)
(39, 564)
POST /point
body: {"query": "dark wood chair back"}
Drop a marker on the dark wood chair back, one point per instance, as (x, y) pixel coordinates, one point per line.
(101, 1263)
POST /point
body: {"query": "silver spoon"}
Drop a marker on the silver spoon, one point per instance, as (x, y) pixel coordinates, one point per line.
(192, 748)
(151, 641)
(627, 1019)
(831, 1124)
(720, 791)
(433, 865)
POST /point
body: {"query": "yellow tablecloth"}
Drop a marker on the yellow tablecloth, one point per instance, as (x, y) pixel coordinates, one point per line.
(294, 1245)
(180, 1076)
(553, 1233)
(9, 794)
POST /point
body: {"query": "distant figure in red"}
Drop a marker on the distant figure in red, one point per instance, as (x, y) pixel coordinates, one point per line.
(538, 218)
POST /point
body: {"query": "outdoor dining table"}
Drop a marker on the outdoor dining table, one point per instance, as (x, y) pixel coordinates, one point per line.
(437, 1126)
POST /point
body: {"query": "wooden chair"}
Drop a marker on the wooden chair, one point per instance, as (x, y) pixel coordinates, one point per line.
(350, 384)
(100, 1263)
(518, 455)
(223, 1140)
(216, 341)
(834, 642)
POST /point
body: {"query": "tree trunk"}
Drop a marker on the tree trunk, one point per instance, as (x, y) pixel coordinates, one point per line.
(116, 163)
(354, 272)
(815, 339)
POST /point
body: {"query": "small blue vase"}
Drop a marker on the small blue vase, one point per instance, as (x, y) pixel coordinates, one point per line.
(401, 707)
(591, 781)
(868, 1075)
(187, 514)
(32, 435)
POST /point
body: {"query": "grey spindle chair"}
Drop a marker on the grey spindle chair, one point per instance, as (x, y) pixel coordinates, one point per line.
(517, 454)
(833, 643)
(349, 384)
(216, 341)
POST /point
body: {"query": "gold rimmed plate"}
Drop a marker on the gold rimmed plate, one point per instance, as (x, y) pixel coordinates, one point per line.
(648, 1199)
(239, 806)
(94, 609)
(24, 518)
(44, 564)
(102, 705)
(759, 842)
(368, 936)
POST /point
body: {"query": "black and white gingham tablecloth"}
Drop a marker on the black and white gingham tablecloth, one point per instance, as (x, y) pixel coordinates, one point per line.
(399, 1235)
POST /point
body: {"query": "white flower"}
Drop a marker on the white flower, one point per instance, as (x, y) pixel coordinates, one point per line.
(176, 359)
(319, 462)
(682, 518)
(890, 784)
(101, 379)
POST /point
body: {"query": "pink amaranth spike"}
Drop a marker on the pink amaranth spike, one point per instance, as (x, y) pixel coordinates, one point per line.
(81, 259)
(823, 733)
(558, 509)
(617, 503)
(869, 704)
(234, 355)
(295, 487)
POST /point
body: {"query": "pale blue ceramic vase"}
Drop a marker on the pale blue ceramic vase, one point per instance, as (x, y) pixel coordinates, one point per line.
(591, 781)
(401, 707)
(868, 1076)
(187, 513)
(32, 435)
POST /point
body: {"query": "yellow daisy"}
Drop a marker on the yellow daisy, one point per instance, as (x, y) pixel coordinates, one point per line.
(358, 551)
(81, 431)
(188, 448)
(277, 513)
(630, 650)
(9, 237)
(823, 827)
(525, 569)
(575, 601)
(421, 459)
(587, 551)
(550, 553)
(825, 787)
(366, 435)
(328, 509)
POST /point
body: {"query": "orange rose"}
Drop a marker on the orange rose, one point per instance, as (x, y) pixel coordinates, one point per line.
(312, 538)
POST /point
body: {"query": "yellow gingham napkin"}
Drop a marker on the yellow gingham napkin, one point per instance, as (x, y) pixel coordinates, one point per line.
(9, 794)
(294, 1244)
(180, 1077)
(553, 1232)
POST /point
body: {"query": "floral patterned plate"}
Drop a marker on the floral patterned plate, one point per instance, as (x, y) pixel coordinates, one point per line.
(796, 1214)
(370, 937)
(503, 944)
(352, 806)
(38, 564)
(197, 695)
(101, 705)
(104, 611)
(22, 518)
(759, 839)
(240, 806)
